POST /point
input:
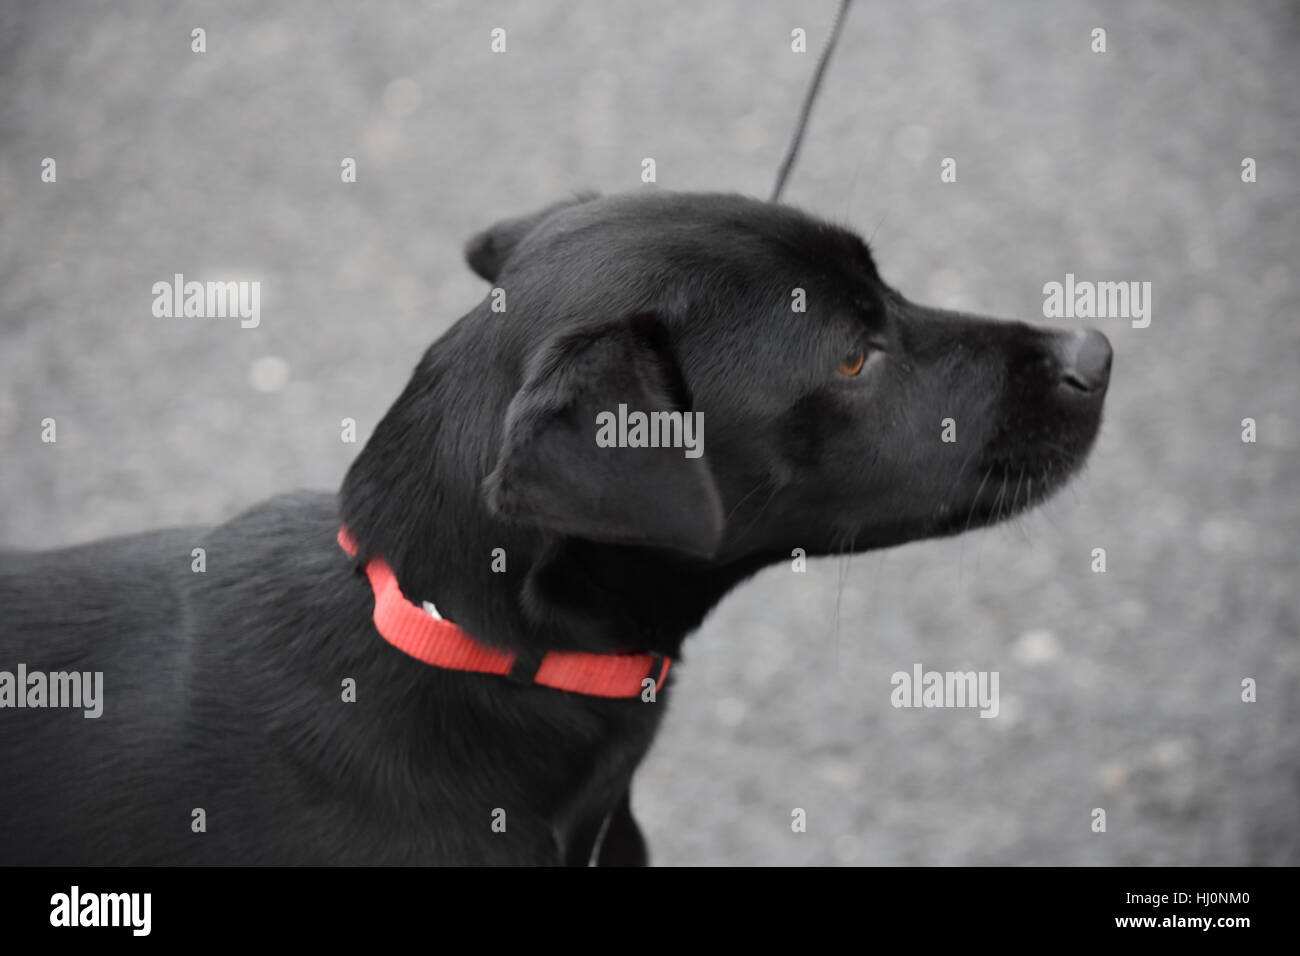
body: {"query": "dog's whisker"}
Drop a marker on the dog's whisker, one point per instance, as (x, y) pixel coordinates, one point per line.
(975, 499)
(746, 496)
(945, 501)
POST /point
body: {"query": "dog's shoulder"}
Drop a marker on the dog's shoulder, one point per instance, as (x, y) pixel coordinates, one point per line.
(114, 586)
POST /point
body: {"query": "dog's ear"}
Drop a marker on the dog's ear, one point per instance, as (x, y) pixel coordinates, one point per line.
(554, 472)
(488, 251)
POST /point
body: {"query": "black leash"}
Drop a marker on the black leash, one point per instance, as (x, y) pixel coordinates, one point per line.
(792, 153)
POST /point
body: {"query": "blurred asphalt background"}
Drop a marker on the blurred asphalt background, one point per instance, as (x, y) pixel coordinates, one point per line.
(1119, 690)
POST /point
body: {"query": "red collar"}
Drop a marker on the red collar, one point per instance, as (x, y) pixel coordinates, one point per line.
(434, 640)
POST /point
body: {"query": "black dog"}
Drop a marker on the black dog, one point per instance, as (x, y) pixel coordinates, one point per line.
(229, 732)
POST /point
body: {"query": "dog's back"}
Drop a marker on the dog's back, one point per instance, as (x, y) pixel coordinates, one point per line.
(228, 733)
(110, 616)
(161, 636)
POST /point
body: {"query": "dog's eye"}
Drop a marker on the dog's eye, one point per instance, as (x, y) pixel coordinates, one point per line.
(852, 363)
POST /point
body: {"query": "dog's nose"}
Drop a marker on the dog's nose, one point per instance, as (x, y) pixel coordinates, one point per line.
(1085, 361)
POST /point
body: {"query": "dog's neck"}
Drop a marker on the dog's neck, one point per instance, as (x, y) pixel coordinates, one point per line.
(520, 588)
(554, 593)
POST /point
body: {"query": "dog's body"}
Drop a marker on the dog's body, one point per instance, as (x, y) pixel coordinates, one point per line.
(223, 692)
(825, 431)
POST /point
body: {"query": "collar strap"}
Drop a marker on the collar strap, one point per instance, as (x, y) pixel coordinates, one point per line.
(439, 642)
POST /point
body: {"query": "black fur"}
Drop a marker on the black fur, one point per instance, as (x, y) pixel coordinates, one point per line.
(222, 689)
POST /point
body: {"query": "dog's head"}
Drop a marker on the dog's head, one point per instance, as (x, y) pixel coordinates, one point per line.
(805, 403)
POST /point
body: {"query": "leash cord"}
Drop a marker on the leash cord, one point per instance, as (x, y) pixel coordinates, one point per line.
(797, 140)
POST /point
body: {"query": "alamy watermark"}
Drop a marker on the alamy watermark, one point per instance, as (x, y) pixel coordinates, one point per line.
(208, 300)
(76, 908)
(922, 688)
(1082, 299)
(624, 429)
(73, 689)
